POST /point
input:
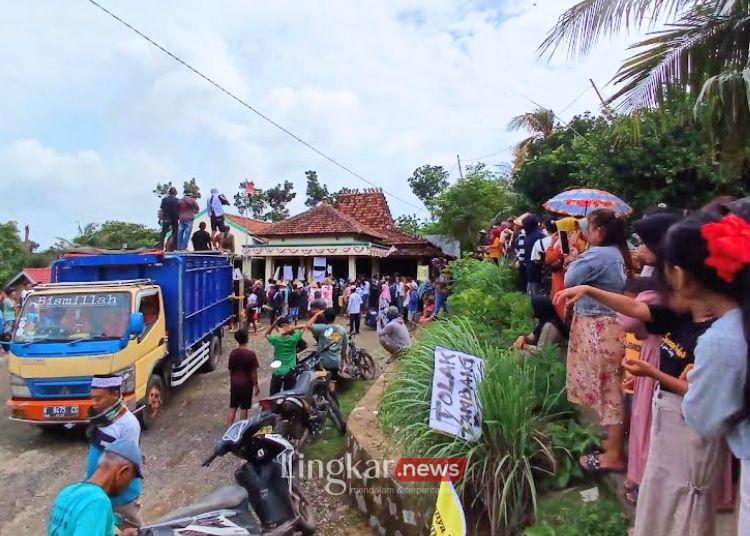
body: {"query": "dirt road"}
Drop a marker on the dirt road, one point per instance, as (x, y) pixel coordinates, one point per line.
(35, 465)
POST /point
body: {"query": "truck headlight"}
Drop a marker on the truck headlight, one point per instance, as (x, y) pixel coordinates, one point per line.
(128, 379)
(18, 387)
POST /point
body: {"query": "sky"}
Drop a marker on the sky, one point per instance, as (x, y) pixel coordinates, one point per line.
(93, 116)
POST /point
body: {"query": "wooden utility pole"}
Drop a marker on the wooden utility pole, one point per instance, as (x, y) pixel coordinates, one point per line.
(601, 99)
(460, 171)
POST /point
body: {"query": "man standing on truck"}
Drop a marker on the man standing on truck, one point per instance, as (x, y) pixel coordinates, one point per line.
(111, 420)
(215, 211)
(168, 214)
(187, 208)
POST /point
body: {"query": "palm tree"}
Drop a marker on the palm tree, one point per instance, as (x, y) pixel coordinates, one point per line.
(540, 123)
(702, 48)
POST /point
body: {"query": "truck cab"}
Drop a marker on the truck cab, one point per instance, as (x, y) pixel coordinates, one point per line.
(67, 332)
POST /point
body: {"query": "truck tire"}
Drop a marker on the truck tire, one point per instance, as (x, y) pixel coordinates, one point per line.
(156, 398)
(214, 352)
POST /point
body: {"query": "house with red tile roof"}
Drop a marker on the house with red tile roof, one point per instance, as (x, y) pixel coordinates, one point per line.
(355, 237)
(35, 276)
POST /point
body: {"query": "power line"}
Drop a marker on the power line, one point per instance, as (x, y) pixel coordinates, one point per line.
(586, 90)
(248, 106)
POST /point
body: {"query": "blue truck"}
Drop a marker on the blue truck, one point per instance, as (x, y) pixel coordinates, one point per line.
(154, 318)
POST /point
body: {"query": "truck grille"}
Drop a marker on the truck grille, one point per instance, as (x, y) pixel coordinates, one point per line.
(60, 388)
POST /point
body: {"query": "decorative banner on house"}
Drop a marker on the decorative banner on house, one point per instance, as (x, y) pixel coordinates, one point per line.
(277, 273)
(288, 272)
(449, 519)
(319, 269)
(300, 273)
(326, 293)
(423, 272)
(455, 407)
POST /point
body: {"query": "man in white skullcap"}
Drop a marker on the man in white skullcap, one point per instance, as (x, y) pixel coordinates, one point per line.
(111, 420)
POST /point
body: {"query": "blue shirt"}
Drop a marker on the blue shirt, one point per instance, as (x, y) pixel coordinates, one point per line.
(716, 386)
(81, 509)
(601, 267)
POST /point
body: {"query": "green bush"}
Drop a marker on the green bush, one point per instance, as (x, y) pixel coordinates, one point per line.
(502, 317)
(567, 515)
(469, 273)
(501, 465)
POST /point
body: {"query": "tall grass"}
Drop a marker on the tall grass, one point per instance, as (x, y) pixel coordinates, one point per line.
(518, 401)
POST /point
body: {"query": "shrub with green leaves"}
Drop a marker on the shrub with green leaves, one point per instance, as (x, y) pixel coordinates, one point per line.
(514, 447)
(567, 515)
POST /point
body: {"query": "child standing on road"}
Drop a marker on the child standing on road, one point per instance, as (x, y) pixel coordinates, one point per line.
(243, 378)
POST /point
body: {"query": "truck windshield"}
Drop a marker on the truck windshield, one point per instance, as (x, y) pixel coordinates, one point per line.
(71, 317)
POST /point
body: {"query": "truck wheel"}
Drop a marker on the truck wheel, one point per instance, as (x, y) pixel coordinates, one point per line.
(214, 351)
(156, 398)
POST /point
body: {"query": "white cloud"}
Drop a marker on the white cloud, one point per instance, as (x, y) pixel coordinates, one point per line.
(94, 116)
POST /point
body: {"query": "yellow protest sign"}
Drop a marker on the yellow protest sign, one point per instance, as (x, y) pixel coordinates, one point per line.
(449, 517)
(423, 272)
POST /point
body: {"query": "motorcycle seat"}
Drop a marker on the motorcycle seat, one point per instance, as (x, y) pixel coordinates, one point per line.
(227, 497)
(301, 387)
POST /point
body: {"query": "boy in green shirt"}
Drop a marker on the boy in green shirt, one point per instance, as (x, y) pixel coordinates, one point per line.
(284, 350)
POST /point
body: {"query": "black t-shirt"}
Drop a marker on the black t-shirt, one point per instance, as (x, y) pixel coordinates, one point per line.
(242, 361)
(169, 208)
(679, 338)
(201, 240)
(294, 298)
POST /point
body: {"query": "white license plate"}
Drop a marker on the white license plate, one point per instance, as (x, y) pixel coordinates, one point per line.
(60, 412)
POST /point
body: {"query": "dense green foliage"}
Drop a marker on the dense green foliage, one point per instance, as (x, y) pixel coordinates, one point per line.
(12, 254)
(696, 46)
(466, 206)
(653, 156)
(427, 182)
(568, 515)
(483, 293)
(115, 235)
(270, 204)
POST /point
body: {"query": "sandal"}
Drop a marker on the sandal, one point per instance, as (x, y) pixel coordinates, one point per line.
(592, 464)
(631, 494)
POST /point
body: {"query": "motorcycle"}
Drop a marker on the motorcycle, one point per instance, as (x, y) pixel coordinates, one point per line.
(265, 487)
(304, 409)
(360, 363)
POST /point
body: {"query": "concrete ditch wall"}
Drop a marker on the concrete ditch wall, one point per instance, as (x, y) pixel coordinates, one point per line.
(391, 507)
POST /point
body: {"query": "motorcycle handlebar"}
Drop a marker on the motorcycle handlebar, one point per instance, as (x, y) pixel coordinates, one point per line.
(208, 460)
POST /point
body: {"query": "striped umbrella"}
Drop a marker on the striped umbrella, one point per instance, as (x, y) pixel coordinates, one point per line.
(581, 201)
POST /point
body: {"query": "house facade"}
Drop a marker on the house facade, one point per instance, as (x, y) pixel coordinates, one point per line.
(356, 237)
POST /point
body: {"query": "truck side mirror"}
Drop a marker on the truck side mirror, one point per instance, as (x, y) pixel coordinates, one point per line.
(135, 324)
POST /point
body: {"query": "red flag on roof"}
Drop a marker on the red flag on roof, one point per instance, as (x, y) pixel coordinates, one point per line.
(250, 187)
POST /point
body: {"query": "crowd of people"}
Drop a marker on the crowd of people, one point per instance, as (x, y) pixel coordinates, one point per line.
(176, 218)
(656, 314)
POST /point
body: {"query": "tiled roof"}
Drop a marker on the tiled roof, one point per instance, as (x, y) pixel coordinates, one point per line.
(320, 220)
(371, 208)
(251, 225)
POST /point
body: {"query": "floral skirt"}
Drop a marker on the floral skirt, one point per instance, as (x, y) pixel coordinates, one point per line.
(594, 366)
